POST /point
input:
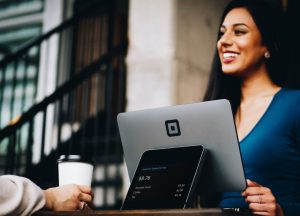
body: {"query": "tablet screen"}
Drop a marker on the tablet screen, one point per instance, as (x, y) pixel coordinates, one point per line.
(164, 178)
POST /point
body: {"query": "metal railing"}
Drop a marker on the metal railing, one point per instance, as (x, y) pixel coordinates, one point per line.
(79, 117)
(15, 69)
(102, 144)
(64, 93)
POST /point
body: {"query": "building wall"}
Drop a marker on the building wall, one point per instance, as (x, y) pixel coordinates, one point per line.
(150, 58)
(171, 44)
(196, 34)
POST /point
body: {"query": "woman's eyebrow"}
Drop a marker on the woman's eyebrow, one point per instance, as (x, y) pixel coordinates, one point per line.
(240, 24)
(235, 25)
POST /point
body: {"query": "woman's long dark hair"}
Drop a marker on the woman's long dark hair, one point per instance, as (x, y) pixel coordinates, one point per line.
(268, 20)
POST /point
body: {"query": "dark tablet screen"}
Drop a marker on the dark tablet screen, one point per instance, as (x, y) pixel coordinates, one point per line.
(164, 178)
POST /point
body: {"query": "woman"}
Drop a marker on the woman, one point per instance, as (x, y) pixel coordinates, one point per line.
(20, 196)
(249, 72)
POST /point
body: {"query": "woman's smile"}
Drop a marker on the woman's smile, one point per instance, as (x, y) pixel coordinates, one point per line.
(229, 57)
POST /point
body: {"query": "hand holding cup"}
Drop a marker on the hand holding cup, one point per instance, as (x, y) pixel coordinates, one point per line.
(76, 170)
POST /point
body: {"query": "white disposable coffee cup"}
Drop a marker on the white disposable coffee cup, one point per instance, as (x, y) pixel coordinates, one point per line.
(73, 169)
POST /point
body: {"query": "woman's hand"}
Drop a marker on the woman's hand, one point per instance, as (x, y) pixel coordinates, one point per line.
(68, 197)
(261, 200)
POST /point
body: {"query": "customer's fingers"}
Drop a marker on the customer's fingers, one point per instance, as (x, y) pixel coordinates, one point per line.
(85, 189)
(85, 197)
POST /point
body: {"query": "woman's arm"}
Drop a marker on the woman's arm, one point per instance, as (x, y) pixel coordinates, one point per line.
(261, 200)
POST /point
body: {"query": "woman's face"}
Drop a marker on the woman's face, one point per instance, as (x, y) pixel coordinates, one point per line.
(240, 46)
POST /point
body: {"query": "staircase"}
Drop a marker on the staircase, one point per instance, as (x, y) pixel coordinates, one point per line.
(79, 117)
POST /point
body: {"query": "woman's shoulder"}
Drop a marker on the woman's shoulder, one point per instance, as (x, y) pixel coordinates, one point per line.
(289, 99)
(287, 102)
(292, 94)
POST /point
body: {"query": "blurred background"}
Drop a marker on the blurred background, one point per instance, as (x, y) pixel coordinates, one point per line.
(68, 67)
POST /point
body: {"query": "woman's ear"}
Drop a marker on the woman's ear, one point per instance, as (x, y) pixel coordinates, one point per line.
(267, 55)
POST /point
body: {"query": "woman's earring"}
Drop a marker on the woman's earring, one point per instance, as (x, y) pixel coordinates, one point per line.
(267, 55)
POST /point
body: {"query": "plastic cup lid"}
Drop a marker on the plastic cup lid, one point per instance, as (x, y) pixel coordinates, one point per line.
(74, 158)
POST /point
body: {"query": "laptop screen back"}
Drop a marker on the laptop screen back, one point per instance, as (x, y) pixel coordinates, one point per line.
(209, 124)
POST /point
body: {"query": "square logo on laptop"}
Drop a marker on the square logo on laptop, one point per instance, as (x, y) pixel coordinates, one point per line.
(173, 128)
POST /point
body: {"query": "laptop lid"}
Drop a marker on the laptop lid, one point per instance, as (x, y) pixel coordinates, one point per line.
(210, 124)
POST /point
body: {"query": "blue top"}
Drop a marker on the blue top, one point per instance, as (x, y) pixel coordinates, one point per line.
(271, 153)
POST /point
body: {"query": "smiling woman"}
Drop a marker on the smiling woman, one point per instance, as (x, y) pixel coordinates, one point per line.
(248, 71)
(240, 46)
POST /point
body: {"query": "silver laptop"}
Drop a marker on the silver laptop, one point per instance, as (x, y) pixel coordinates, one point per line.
(209, 124)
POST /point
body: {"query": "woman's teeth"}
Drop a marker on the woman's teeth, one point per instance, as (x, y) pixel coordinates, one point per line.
(229, 55)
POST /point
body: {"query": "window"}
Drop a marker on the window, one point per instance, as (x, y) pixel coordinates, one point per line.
(20, 21)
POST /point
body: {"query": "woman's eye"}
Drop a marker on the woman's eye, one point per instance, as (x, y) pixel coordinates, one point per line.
(239, 32)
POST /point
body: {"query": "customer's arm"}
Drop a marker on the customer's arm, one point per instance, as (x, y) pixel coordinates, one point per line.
(19, 196)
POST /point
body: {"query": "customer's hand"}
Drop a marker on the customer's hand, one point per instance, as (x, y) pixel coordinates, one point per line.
(261, 200)
(68, 197)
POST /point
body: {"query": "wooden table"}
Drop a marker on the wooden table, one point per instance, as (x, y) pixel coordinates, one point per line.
(171, 212)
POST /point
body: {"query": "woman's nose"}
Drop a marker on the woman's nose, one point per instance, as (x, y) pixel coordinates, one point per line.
(226, 39)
